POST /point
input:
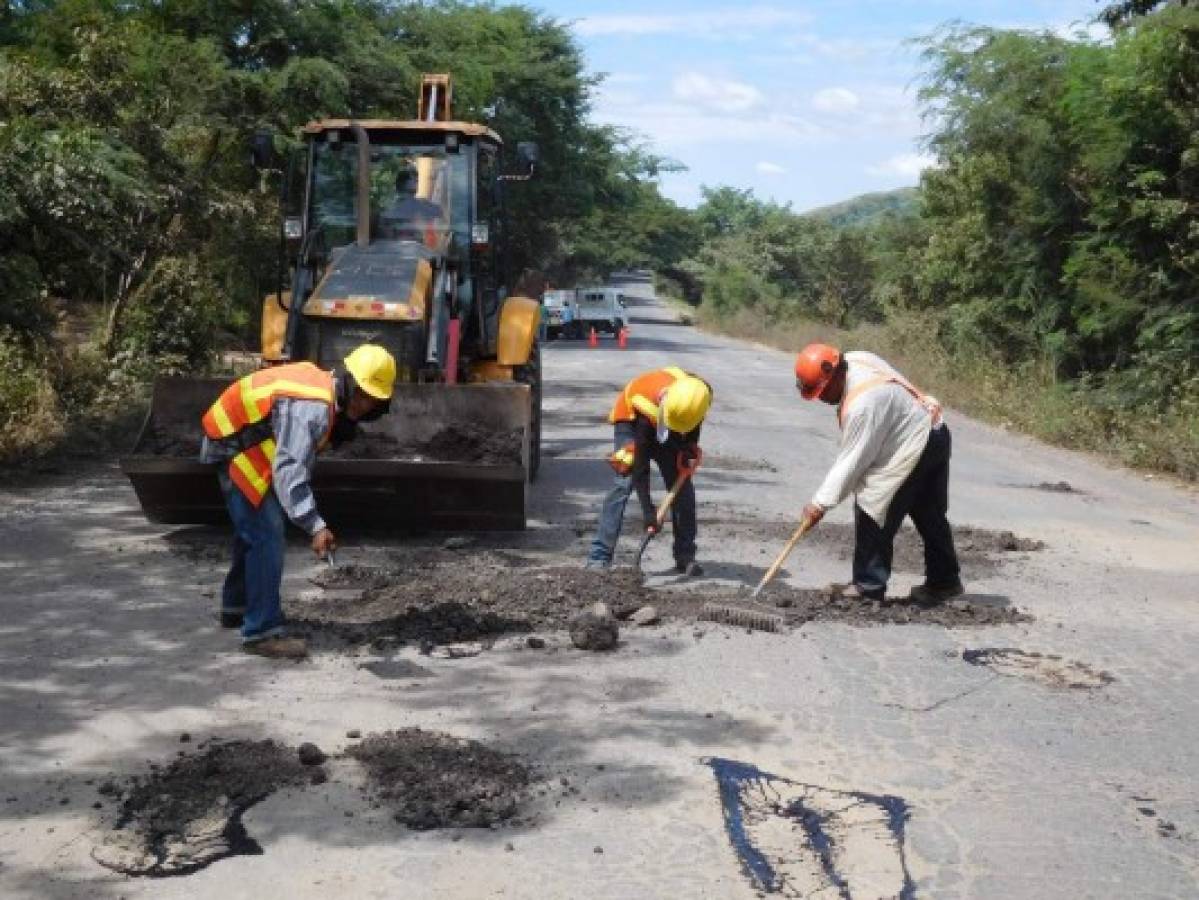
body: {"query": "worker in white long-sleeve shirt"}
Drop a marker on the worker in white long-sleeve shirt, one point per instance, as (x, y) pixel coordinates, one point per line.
(894, 459)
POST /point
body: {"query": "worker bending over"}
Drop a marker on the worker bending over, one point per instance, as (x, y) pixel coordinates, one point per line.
(894, 457)
(656, 417)
(269, 427)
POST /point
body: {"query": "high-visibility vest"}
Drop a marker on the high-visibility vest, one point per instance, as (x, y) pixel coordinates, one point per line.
(249, 400)
(641, 395)
(880, 378)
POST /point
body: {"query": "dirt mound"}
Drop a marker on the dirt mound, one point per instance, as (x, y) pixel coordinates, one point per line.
(160, 441)
(455, 443)
(465, 442)
(188, 815)
(445, 602)
(432, 780)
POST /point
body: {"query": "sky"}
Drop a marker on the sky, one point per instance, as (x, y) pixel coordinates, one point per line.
(805, 103)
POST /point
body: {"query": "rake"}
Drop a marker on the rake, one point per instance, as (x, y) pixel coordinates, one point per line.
(742, 618)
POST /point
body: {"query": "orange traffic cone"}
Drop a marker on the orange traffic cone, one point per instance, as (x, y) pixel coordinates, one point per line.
(622, 339)
(593, 338)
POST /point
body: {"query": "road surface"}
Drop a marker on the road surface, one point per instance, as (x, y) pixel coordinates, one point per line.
(978, 782)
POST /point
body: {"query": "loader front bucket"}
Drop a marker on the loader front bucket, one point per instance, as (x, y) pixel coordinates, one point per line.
(445, 458)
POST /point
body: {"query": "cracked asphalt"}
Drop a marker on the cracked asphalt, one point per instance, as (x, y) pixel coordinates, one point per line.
(1015, 787)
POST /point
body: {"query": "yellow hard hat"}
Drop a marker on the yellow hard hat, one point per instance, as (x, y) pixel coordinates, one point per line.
(374, 370)
(685, 404)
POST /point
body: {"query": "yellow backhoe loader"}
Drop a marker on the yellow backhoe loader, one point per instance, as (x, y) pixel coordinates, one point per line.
(399, 241)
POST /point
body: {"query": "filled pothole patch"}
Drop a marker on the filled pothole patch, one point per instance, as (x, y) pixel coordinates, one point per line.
(1051, 671)
(802, 840)
(430, 780)
(188, 814)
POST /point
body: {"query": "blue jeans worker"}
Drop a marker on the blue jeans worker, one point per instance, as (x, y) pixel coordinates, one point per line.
(656, 418)
(266, 430)
(894, 458)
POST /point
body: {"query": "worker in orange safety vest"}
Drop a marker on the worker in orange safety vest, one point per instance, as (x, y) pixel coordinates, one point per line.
(656, 417)
(894, 458)
(265, 430)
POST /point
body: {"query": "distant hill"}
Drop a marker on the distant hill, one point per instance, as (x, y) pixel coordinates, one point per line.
(864, 209)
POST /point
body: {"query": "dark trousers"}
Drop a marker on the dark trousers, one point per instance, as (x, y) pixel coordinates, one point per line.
(925, 497)
(682, 513)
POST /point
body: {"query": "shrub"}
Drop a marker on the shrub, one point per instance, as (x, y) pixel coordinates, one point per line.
(30, 418)
(172, 322)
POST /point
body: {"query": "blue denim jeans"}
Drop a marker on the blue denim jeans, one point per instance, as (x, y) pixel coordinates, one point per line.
(682, 513)
(252, 586)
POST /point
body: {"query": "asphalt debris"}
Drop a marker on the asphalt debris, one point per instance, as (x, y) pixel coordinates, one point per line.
(433, 780)
(187, 814)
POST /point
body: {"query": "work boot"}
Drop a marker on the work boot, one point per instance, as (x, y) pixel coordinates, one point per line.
(691, 569)
(937, 593)
(278, 648)
(599, 565)
(231, 620)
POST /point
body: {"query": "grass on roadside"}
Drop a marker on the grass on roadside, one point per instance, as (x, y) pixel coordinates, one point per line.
(1027, 399)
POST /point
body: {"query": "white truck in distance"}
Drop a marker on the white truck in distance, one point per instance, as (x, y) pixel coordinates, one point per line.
(601, 308)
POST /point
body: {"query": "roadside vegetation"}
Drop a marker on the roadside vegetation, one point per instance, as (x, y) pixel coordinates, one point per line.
(1047, 277)
(137, 240)
(1044, 275)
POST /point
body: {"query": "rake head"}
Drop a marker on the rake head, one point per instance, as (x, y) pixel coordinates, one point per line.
(742, 618)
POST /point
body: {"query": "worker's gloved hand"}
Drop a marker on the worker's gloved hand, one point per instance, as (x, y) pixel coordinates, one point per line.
(323, 542)
(623, 459)
(813, 513)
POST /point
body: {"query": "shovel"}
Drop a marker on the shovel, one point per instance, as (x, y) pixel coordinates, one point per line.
(803, 529)
(685, 472)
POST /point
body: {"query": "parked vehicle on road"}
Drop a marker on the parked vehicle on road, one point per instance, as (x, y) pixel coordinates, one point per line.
(601, 308)
(560, 315)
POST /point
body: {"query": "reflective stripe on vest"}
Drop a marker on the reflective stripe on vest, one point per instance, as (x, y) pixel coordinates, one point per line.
(641, 395)
(248, 401)
(882, 377)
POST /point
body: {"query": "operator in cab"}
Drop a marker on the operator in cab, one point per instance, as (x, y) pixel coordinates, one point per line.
(409, 217)
(657, 417)
(266, 430)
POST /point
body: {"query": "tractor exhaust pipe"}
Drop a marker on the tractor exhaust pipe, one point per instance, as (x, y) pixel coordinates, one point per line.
(364, 184)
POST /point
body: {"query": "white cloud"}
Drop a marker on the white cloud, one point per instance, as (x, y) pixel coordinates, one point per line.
(676, 126)
(716, 93)
(730, 22)
(904, 165)
(769, 168)
(836, 100)
(845, 50)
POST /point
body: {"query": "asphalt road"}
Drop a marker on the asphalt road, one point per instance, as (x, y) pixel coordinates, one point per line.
(1011, 785)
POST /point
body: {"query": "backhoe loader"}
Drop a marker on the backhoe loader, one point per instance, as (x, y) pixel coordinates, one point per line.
(398, 240)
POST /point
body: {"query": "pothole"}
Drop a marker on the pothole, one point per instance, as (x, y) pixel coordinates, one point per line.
(1046, 669)
(432, 604)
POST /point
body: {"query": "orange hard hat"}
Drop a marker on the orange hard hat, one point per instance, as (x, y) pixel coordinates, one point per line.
(814, 369)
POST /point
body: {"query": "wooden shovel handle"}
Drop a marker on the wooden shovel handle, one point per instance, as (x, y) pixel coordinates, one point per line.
(803, 529)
